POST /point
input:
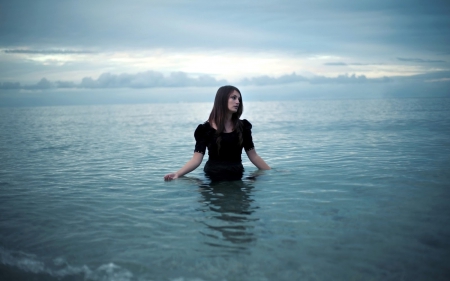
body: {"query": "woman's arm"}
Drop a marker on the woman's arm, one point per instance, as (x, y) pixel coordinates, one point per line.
(191, 165)
(256, 160)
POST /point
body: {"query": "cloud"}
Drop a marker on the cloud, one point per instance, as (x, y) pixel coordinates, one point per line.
(309, 26)
(354, 63)
(267, 80)
(148, 79)
(65, 84)
(47, 52)
(172, 36)
(348, 79)
(154, 79)
(357, 63)
(10, 85)
(345, 64)
(294, 78)
(43, 84)
(335, 63)
(420, 60)
(438, 80)
(426, 77)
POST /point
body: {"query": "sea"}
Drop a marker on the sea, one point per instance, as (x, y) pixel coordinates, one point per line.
(359, 190)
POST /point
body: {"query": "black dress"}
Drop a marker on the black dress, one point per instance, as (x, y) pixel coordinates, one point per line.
(224, 163)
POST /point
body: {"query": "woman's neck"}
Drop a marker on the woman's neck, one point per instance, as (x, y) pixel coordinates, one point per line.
(227, 123)
(229, 126)
(228, 117)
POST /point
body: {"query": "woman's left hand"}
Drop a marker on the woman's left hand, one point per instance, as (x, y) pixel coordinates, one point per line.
(256, 160)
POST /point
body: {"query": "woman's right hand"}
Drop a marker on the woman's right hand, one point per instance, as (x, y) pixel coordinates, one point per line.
(188, 167)
(170, 176)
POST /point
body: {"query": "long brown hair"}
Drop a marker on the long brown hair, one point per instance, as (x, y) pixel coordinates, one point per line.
(220, 110)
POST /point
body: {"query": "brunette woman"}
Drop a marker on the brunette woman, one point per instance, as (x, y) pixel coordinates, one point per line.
(225, 135)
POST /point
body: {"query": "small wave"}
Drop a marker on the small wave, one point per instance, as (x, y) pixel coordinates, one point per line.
(60, 268)
(182, 279)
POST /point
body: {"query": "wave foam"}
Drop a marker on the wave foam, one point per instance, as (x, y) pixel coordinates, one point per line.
(61, 268)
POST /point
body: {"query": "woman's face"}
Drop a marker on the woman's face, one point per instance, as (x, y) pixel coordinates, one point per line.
(234, 101)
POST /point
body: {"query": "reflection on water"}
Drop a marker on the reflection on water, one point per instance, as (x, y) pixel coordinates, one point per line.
(231, 209)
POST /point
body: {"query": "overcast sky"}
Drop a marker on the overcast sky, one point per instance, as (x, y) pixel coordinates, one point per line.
(54, 44)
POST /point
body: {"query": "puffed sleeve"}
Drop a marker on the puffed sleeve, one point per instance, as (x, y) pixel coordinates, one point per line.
(247, 135)
(200, 139)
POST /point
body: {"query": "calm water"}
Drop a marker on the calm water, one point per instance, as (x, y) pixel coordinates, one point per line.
(359, 191)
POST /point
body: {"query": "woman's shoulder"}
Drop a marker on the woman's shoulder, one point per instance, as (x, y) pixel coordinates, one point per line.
(204, 125)
(246, 124)
(203, 128)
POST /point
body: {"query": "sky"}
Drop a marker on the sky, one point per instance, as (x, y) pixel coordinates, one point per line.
(176, 50)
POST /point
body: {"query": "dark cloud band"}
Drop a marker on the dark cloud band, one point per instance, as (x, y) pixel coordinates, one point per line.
(335, 63)
(148, 79)
(154, 79)
(47, 52)
(420, 60)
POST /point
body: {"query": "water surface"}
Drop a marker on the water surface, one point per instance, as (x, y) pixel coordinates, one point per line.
(359, 191)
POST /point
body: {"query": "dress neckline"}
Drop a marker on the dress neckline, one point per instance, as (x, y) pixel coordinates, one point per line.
(209, 124)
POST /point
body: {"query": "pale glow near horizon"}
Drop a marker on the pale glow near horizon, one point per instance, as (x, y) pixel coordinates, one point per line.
(231, 66)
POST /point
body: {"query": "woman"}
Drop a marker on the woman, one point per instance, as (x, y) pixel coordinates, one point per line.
(224, 134)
